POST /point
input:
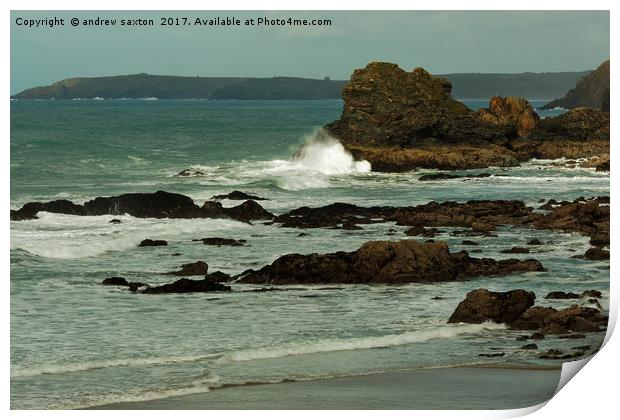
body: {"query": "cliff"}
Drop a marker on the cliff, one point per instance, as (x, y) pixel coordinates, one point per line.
(466, 86)
(591, 91)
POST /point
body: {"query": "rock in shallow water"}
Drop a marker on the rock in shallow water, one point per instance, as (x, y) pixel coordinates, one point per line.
(153, 242)
(188, 286)
(199, 268)
(482, 305)
(405, 261)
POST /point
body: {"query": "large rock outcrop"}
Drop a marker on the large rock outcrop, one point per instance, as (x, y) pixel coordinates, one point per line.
(591, 91)
(405, 261)
(400, 121)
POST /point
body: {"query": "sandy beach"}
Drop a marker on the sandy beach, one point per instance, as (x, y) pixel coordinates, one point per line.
(445, 388)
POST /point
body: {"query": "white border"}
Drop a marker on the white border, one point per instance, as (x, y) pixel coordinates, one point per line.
(591, 395)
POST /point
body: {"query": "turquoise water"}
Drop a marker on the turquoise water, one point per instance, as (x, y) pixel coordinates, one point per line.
(75, 343)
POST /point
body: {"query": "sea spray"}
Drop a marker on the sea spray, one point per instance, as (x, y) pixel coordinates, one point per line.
(324, 153)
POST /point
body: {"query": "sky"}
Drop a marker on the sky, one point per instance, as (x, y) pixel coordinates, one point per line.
(441, 42)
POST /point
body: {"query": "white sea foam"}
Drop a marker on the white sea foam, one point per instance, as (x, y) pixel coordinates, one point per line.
(71, 237)
(329, 345)
(317, 161)
(23, 372)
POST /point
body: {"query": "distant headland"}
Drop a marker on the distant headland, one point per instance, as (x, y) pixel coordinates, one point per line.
(135, 86)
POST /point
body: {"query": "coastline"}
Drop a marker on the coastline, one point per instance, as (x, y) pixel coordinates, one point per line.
(481, 387)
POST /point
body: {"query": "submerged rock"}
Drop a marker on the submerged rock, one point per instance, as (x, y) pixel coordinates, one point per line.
(515, 250)
(188, 286)
(237, 195)
(596, 254)
(115, 281)
(561, 295)
(405, 261)
(199, 268)
(223, 241)
(153, 242)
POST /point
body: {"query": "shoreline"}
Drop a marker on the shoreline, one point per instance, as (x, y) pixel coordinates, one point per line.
(479, 387)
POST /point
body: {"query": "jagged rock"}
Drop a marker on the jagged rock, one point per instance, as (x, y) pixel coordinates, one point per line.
(512, 112)
(199, 268)
(422, 231)
(153, 242)
(188, 286)
(561, 295)
(399, 121)
(482, 305)
(582, 124)
(237, 195)
(115, 281)
(405, 261)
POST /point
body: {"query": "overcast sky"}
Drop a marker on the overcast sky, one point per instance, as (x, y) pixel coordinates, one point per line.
(441, 42)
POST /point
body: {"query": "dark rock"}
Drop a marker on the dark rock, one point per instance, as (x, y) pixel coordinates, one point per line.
(199, 268)
(134, 286)
(422, 231)
(115, 221)
(515, 250)
(553, 329)
(349, 225)
(482, 305)
(533, 318)
(188, 286)
(437, 298)
(522, 337)
(115, 281)
(591, 293)
(405, 261)
(468, 242)
(554, 354)
(596, 254)
(535, 242)
(302, 234)
(537, 336)
(223, 242)
(218, 277)
(190, 172)
(439, 176)
(584, 347)
(603, 166)
(160, 204)
(492, 354)
(572, 336)
(153, 242)
(237, 195)
(562, 295)
(531, 346)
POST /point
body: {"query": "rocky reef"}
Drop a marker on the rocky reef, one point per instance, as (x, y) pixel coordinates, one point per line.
(585, 216)
(400, 121)
(406, 261)
(160, 204)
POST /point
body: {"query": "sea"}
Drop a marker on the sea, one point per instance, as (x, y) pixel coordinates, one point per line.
(77, 344)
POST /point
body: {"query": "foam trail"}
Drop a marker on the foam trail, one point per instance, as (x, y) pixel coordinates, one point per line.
(328, 345)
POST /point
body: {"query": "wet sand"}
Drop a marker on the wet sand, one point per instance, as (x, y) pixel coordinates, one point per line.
(444, 388)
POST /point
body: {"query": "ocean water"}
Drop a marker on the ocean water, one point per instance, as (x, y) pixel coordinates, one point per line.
(75, 343)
